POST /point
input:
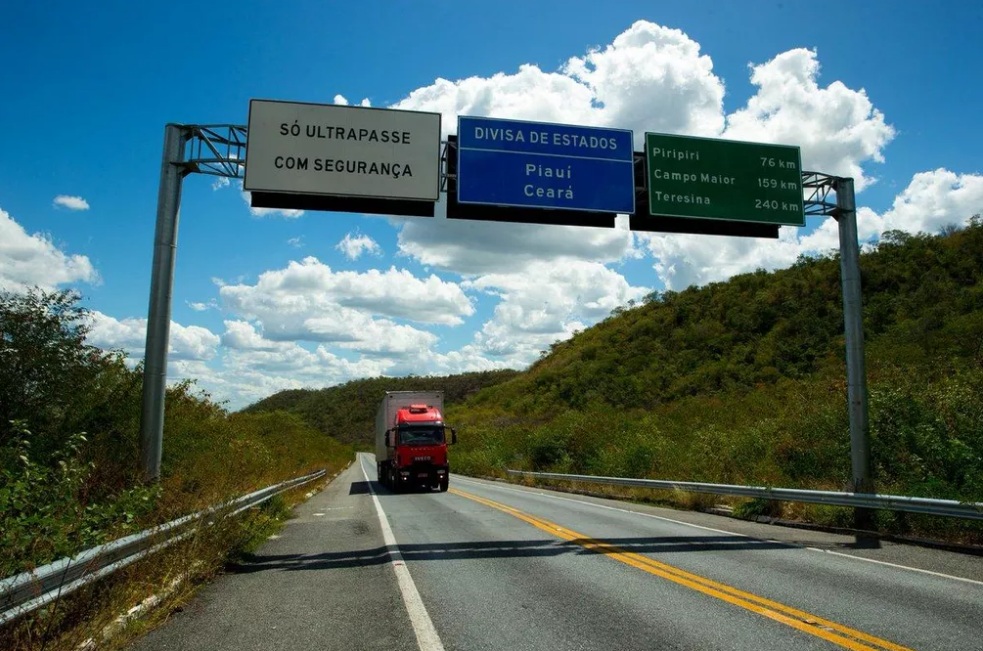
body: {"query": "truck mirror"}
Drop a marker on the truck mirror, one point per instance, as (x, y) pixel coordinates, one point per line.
(453, 436)
(389, 443)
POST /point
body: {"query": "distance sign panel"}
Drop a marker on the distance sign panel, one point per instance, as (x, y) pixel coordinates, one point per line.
(724, 179)
(352, 151)
(540, 165)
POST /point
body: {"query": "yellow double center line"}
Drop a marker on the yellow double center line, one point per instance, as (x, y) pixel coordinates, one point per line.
(843, 636)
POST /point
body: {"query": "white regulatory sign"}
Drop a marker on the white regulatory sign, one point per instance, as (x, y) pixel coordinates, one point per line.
(349, 151)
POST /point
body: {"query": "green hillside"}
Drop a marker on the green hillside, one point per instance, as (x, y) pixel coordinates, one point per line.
(347, 412)
(923, 304)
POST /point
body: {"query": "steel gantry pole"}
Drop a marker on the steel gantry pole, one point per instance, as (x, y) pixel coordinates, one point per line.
(216, 150)
(846, 216)
(172, 173)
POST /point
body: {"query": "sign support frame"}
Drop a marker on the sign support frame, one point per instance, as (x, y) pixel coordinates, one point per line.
(217, 150)
(172, 173)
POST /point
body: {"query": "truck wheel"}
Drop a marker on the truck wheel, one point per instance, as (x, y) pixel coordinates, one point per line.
(444, 481)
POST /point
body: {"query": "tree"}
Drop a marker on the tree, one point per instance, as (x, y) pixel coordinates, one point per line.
(46, 368)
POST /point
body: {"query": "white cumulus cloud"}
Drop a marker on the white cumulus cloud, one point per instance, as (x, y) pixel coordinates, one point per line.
(547, 302)
(838, 128)
(684, 260)
(130, 335)
(353, 246)
(312, 289)
(72, 203)
(934, 200)
(474, 247)
(652, 78)
(33, 260)
(242, 335)
(201, 307)
(341, 100)
(251, 375)
(308, 301)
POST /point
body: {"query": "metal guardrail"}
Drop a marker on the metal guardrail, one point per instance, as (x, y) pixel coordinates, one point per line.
(28, 591)
(949, 508)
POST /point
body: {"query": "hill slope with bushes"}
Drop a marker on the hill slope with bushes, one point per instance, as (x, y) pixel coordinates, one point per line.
(923, 302)
(347, 412)
(744, 382)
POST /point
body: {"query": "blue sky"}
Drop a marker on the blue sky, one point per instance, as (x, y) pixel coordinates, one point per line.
(886, 92)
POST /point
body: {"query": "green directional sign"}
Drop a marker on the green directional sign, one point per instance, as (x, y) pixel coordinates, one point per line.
(724, 179)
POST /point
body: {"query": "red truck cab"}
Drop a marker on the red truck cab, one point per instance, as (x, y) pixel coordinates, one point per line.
(416, 449)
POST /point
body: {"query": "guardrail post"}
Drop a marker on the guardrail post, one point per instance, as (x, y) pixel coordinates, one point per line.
(855, 363)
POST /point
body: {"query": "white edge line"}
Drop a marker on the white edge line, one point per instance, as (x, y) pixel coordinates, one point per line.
(902, 567)
(426, 635)
(730, 533)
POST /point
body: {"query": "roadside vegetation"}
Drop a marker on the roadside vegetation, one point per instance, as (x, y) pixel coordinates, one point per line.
(69, 468)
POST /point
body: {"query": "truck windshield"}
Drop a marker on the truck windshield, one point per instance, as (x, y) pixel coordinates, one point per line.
(421, 435)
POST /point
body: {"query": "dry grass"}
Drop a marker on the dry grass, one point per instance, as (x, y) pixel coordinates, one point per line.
(110, 613)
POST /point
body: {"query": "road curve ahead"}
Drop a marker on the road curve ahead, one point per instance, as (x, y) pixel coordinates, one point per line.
(493, 566)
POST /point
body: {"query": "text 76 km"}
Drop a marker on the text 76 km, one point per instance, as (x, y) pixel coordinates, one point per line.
(767, 161)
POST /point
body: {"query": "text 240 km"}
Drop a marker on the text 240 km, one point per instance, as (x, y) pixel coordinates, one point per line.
(774, 204)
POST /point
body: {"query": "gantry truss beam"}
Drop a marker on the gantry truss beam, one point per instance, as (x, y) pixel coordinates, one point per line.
(215, 149)
(818, 187)
(220, 150)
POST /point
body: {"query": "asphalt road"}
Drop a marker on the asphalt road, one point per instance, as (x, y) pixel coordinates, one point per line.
(494, 566)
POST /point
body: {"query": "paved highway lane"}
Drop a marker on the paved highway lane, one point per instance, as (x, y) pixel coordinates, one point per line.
(493, 566)
(323, 583)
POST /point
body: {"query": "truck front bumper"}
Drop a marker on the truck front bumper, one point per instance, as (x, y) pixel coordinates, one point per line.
(423, 475)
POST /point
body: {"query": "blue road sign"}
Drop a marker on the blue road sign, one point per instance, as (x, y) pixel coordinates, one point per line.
(540, 165)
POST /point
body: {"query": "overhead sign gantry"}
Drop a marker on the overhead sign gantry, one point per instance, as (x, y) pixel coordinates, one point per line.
(359, 159)
(387, 161)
